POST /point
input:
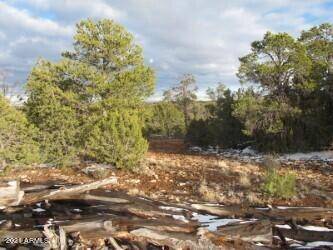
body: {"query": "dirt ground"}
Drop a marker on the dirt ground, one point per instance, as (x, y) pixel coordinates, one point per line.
(169, 173)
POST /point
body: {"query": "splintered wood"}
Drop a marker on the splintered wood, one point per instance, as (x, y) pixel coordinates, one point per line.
(86, 216)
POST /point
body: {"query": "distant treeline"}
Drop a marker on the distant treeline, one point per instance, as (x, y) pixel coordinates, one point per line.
(285, 103)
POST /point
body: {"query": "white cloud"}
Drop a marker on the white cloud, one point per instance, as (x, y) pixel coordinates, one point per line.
(14, 20)
(189, 36)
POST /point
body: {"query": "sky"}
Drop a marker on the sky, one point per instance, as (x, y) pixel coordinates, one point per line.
(201, 37)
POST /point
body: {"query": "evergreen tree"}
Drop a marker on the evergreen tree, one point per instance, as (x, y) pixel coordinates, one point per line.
(291, 109)
(116, 138)
(165, 119)
(17, 137)
(75, 99)
(228, 129)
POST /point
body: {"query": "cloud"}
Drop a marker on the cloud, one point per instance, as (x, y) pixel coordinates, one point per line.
(189, 36)
(14, 20)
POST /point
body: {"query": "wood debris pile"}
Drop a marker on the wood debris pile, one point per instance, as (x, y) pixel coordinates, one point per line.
(85, 216)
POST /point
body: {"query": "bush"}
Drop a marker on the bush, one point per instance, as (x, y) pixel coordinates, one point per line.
(116, 139)
(17, 144)
(277, 185)
(50, 109)
(200, 133)
(165, 119)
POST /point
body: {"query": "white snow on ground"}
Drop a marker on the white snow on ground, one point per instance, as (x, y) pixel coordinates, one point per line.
(174, 209)
(180, 217)
(283, 226)
(319, 243)
(212, 222)
(77, 210)
(38, 210)
(249, 154)
(320, 155)
(12, 183)
(249, 151)
(283, 207)
(312, 228)
(317, 228)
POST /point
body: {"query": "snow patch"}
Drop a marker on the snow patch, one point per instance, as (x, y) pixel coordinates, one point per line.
(319, 243)
(77, 210)
(283, 226)
(174, 209)
(212, 222)
(181, 218)
(38, 210)
(317, 228)
(12, 183)
(249, 151)
(319, 155)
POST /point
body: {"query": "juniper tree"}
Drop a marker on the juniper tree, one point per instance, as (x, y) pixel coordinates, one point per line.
(97, 88)
(17, 136)
(291, 108)
(165, 119)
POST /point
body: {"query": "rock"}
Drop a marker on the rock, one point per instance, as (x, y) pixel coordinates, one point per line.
(98, 171)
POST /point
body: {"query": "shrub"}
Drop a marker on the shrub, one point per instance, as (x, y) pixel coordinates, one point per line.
(116, 139)
(17, 144)
(49, 108)
(278, 185)
(200, 133)
(165, 119)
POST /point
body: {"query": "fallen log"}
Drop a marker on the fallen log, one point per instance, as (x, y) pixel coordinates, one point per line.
(166, 240)
(300, 215)
(111, 223)
(302, 234)
(258, 231)
(65, 193)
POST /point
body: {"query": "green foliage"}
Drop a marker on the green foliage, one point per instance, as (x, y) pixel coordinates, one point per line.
(275, 63)
(104, 76)
(277, 185)
(17, 144)
(228, 129)
(201, 133)
(221, 127)
(52, 109)
(116, 138)
(291, 109)
(266, 121)
(165, 119)
(289, 105)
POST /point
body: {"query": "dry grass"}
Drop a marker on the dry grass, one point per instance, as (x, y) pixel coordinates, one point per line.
(207, 193)
(135, 192)
(244, 180)
(253, 199)
(270, 162)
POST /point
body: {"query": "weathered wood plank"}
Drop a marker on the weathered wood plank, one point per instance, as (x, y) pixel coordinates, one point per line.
(10, 194)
